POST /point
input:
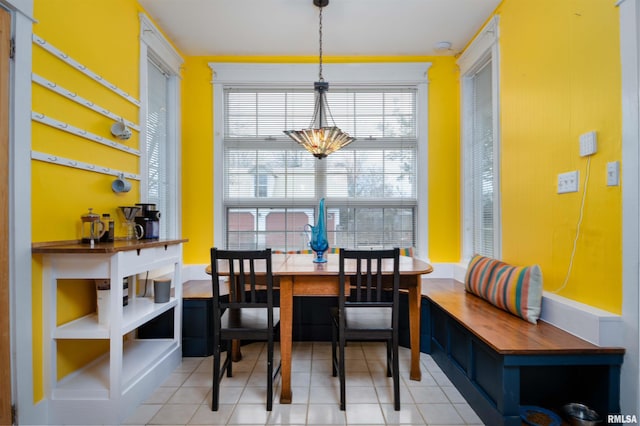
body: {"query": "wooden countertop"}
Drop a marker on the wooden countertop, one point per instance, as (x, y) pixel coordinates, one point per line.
(76, 246)
(504, 332)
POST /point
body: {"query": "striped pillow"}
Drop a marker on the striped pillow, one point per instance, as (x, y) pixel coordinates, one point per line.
(515, 289)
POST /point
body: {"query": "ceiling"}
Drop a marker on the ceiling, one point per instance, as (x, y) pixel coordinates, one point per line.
(290, 27)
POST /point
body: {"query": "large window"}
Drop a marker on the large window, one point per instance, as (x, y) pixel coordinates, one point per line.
(271, 186)
(479, 67)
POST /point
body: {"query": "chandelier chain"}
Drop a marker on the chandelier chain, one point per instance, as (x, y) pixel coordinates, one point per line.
(320, 50)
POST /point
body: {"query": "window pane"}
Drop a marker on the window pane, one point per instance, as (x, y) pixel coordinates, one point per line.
(372, 227)
(371, 174)
(276, 228)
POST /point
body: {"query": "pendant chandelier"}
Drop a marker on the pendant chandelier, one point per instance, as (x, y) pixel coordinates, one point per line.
(321, 139)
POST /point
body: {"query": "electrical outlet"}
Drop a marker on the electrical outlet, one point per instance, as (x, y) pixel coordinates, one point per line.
(588, 144)
(613, 173)
(568, 182)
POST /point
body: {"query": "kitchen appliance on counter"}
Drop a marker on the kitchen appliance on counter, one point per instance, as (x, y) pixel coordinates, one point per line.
(149, 220)
(129, 213)
(92, 227)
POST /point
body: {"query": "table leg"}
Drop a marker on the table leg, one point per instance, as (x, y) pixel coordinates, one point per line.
(286, 318)
(415, 298)
(236, 354)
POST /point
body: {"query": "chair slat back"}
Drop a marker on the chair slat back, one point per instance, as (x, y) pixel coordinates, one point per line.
(370, 283)
(248, 272)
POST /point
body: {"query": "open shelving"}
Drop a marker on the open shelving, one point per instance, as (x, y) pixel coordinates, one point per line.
(110, 387)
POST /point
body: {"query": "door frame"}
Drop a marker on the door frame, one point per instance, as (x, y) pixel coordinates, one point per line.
(6, 382)
(20, 260)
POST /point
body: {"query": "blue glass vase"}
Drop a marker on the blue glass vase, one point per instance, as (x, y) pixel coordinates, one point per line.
(318, 240)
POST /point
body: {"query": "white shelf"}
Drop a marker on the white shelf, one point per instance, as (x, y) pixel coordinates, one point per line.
(141, 310)
(86, 327)
(109, 388)
(139, 355)
(136, 313)
(92, 382)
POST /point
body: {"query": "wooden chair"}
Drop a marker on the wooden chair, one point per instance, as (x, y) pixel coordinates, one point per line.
(246, 315)
(369, 311)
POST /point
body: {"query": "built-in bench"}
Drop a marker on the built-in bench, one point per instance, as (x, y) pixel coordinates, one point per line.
(197, 322)
(499, 362)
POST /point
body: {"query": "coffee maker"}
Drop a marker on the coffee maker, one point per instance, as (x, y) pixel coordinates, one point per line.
(149, 219)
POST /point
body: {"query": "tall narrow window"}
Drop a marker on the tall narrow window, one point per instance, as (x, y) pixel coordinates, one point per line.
(157, 143)
(480, 136)
(482, 170)
(160, 119)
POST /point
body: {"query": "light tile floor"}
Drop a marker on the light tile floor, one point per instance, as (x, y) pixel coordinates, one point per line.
(185, 397)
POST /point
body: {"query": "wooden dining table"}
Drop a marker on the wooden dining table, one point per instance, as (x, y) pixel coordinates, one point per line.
(297, 275)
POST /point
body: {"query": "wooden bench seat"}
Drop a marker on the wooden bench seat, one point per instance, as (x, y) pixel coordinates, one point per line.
(500, 362)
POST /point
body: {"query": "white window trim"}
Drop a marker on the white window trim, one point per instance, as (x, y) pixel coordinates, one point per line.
(21, 297)
(352, 74)
(154, 45)
(630, 55)
(484, 47)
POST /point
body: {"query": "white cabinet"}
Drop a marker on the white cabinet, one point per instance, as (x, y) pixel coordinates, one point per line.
(108, 389)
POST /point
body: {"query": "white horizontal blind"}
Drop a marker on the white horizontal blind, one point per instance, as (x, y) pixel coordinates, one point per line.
(483, 175)
(158, 188)
(273, 186)
(265, 113)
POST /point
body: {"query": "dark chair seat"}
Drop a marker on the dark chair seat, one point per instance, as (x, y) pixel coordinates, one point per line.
(251, 321)
(367, 319)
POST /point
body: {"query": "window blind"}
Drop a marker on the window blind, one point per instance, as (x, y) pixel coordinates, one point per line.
(156, 144)
(483, 178)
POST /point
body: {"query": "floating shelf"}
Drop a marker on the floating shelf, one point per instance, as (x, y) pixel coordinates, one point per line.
(54, 159)
(39, 41)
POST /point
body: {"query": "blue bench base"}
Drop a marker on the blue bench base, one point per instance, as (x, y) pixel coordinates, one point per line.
(496, 385)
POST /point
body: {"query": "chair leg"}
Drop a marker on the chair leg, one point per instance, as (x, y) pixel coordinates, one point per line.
(396, 375)
(334, 344)
(229, 358)
(215, 393)
(389, 358)
(341, 370)
(270, 373)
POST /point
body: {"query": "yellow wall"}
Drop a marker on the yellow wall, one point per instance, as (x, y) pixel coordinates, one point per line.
(443, 162)
(103, 35)
(560, 77)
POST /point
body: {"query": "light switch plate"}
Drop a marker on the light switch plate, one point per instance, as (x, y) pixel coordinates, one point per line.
(613, 173)
(568, 182)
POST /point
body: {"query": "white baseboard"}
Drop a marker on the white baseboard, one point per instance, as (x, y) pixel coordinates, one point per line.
(594, 325)
(195, 272)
